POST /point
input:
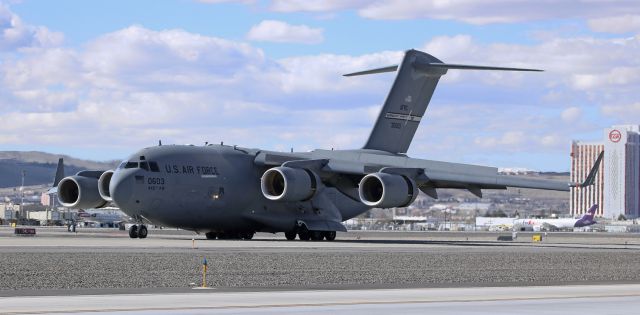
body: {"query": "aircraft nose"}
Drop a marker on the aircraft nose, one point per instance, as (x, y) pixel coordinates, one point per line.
(121, 188)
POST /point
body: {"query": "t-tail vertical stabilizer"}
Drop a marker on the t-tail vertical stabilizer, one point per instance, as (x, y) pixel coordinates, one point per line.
(417, 77)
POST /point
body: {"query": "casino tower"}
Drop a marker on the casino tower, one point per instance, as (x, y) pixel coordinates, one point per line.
(617, 186)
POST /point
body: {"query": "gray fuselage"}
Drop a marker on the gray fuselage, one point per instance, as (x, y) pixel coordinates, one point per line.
(209, 188)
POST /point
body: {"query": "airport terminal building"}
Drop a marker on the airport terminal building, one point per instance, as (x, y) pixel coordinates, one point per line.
(617, 186)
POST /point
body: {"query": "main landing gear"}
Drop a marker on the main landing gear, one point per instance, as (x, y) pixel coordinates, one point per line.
(247, 235)
(304, 234)
(138, 231)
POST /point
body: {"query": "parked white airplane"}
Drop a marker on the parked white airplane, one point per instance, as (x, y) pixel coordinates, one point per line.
(105, 216)
(564, 223)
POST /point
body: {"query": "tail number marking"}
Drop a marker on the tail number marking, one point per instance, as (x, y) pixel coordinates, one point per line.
(155, 183)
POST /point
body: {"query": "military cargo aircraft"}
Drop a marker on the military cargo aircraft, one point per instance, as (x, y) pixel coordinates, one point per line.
(232, 192)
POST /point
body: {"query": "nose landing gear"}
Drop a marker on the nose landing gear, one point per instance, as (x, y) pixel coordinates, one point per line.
(138, 231)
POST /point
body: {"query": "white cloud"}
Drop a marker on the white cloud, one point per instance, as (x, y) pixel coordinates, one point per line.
(15, 34)
(315, 5)
(571, 114)
(582, 64)
(128, 88)
(228, 1)
(281, 32)
(616, 24)
(322, 72)
(508, 138)
(474, 12)
(624, 113)
(125, 89)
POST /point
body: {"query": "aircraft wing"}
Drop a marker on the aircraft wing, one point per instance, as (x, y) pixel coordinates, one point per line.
(344, 169)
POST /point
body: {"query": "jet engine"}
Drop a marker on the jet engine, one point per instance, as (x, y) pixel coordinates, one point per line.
(103, 185)
(81, 191)
(289, 184)
(384, 190)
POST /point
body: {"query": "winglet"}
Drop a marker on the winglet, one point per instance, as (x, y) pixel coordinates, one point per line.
(591, 178)
(59, 176)
(59, 173)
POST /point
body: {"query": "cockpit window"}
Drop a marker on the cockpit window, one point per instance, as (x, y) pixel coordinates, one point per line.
(154, 167)
(148, 166)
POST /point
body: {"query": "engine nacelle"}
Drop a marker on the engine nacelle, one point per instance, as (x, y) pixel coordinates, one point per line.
(382, 190)
(103, 185)
(289, 184)
(80, 192)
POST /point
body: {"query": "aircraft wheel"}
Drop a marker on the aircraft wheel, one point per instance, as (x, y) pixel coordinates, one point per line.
(303, 234)
(316, 235)
(133, 231)
(329, 235)
(142, 231)
(291, 235)
(247, 235)
(211, 235)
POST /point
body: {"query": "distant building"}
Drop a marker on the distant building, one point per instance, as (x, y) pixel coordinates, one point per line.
(617, 186)
(583, 154)
(622, 171)
(45, 200)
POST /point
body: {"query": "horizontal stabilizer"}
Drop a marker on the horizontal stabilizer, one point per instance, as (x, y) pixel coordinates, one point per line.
(437, 65)
(467, 67)
(373, 71)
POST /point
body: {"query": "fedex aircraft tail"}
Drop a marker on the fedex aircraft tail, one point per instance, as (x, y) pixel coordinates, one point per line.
(591, 212)
(587, 218)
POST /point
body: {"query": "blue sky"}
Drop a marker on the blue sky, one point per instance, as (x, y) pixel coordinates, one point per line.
(101, 79)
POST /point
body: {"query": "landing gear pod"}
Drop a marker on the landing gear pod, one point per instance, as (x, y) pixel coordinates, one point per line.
(80, 192)
(289, 184)
(103, 185)
(384, 190)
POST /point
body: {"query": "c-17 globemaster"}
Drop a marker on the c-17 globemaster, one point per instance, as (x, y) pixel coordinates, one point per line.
(232, 192)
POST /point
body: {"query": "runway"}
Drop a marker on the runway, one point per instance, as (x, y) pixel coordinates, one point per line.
(361, 272)
(595, 299)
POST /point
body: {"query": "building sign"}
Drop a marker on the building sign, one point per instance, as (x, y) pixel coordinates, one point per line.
(615, 135)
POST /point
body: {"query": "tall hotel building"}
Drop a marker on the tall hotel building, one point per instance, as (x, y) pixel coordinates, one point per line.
(617, 186)
(583, 155)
